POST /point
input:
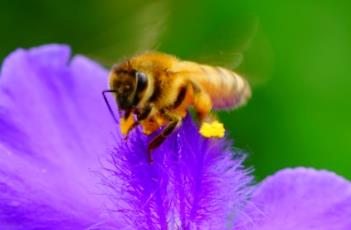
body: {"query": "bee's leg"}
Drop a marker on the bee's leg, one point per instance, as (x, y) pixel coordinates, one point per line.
(158, 140)
(202, 105)
(134, 125)
(144, 113)
(127, 123)
(147, 120)
(209, 125)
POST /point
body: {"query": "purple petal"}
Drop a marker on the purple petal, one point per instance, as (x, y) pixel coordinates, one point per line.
(54, 128)
(193, 183)
(302, 199)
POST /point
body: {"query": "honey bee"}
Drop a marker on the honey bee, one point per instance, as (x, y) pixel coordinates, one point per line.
(155, 90)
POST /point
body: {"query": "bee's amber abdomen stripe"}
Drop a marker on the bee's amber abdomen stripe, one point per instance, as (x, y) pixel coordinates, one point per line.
(226, 88)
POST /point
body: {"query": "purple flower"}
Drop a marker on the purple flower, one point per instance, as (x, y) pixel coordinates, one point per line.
(64, 164)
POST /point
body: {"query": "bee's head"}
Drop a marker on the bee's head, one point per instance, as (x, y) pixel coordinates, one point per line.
(127, 84)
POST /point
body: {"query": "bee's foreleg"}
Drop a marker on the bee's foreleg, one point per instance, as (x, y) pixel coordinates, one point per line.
(158, 140)
(127, 123)
(144, 113)
(130, 128)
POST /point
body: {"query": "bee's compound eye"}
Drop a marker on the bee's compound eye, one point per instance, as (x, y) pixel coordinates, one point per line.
(142, 80)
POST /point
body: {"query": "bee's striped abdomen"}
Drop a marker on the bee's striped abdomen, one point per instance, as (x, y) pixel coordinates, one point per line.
(226, 88)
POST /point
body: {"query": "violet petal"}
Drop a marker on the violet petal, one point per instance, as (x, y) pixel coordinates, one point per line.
(303, 199)
(54, 128)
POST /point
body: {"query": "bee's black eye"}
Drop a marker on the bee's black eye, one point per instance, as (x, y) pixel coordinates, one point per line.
(142, 80)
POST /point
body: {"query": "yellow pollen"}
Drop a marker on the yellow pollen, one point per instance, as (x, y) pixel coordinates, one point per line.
(214, 129)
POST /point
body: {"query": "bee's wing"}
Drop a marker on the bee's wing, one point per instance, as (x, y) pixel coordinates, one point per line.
(254, 63)
(235, 42)
(234, 61)
(224, 59)
(137, 30)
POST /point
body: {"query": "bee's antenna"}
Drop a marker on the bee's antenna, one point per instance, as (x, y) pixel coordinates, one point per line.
(108, 104)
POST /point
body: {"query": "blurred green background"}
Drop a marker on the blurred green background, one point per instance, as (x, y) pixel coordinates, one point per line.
(296, 55)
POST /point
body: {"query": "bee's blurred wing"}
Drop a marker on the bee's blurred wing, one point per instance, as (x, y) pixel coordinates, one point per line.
(152, 22)
(223, 59)
(253, 59)
(137, 30)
